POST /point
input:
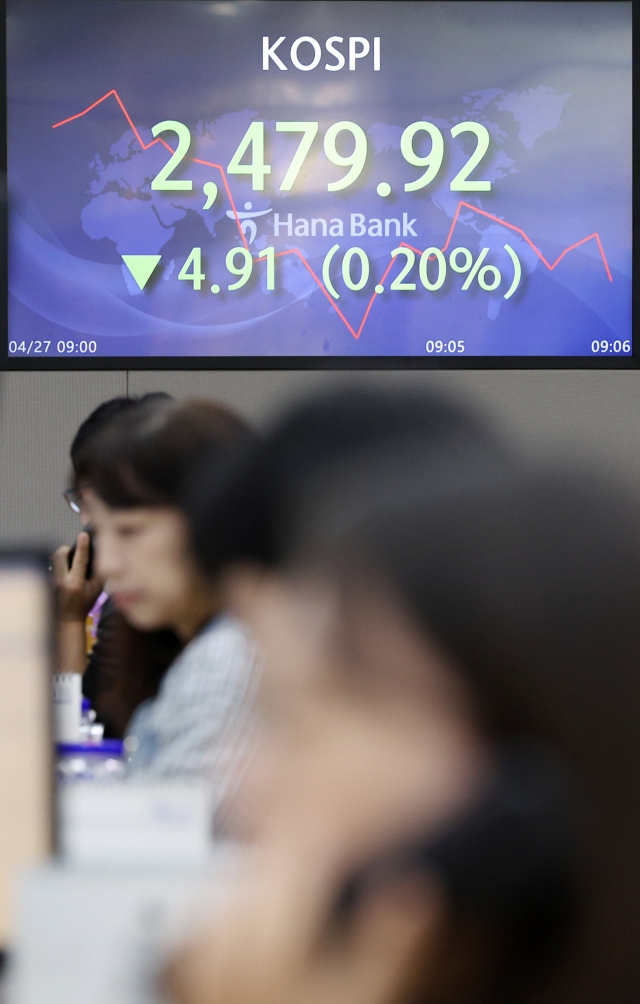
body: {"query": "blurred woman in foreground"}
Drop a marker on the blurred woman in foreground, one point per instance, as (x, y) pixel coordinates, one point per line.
(446, 809)
(137, 470)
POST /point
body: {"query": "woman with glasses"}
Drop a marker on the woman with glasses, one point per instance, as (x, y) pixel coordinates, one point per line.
(86, 618)
(139, 471)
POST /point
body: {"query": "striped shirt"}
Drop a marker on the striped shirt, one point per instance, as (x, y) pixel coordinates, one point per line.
(200, 724)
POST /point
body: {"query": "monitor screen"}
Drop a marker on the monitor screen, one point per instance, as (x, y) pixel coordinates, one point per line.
(318, 183)
(26, 776)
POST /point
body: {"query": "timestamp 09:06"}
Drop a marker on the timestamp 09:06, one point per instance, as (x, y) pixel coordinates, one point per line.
(40, 347)
(615, 347)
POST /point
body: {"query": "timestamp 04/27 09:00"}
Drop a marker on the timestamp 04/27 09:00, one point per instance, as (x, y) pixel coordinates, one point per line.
(38, 347)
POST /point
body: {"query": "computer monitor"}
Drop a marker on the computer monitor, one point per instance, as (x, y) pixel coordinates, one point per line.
(26, 772)
(319, 184)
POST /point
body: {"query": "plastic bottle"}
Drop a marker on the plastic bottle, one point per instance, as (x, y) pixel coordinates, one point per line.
(67, 707)
(89, 731)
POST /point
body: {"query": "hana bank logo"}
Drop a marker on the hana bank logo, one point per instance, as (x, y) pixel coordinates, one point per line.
(247, 220)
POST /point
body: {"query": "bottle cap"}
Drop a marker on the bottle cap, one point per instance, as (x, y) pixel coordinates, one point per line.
(108, 747)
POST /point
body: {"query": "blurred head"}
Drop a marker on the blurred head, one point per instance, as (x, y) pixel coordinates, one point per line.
(310, 456)
(88, 431)
(257, 496)
(138, 470)
(424, 603)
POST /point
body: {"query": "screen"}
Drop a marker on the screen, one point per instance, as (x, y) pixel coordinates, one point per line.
(316, 182)
(25, 740)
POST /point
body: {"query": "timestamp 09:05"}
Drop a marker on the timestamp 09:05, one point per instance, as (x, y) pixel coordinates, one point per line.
(439, 347)
(40, 347)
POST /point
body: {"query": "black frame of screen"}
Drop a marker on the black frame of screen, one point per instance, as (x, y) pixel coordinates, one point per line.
(121, 363)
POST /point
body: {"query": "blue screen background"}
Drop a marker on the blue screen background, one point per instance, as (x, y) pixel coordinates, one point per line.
(550, 81)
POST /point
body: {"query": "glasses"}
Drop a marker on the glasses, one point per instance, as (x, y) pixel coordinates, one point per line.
(73, 498)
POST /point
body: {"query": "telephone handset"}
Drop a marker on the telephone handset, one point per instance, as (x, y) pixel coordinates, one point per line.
(71, 555)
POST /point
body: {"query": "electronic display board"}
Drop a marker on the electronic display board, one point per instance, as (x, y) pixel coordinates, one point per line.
(319, 184)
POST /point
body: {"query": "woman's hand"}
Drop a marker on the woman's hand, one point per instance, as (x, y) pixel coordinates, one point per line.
(75, 596)
(75, 593)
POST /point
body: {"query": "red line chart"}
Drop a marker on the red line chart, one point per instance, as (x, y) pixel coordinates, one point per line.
(356, 332)
(145, 146)
(503, 223)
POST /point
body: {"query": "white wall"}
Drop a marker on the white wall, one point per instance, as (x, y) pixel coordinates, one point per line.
(577, 411)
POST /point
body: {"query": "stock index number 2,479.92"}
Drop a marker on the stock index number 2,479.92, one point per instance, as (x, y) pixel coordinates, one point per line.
(345, 145)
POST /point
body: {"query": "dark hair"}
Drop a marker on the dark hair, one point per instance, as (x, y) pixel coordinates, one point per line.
(529, 580)
(145, 456)
(255, 496)
(98, 420)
